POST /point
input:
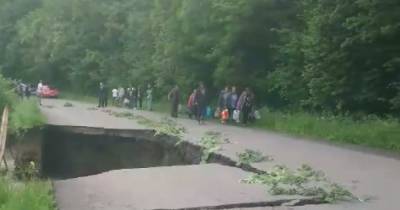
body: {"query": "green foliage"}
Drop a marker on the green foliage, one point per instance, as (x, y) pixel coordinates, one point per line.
(305, 181)
(210, 143)
(166, 126)
(341, 56)
(250, 156)
(125, 114)
(7, 94)
(143, 41)
(170, 127)
(369, 130)
(321, 55)
(26, 171)
(26, 115)
(29, 195)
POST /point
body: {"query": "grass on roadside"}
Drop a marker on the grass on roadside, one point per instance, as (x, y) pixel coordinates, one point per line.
(29, 195)
(371, 131)
(25, 115)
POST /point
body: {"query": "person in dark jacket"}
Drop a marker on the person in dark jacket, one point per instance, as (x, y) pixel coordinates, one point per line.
(247, 105)
(174, 96)
(102, 95)
(133, 98)
(223, 98)
(139, 98)
(27, 91)
(200, 103)
(232, 101)
(105, 96)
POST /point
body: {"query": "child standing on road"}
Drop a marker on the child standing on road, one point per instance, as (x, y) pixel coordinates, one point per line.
(224, 115)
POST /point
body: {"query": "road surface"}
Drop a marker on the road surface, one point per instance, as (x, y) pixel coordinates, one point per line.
(365, 174)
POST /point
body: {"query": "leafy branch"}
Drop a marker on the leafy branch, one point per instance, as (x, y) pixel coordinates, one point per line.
(210, 143)
(166, 126)
(250, 156)
(125, 114)
(304, 181)
(170, 127)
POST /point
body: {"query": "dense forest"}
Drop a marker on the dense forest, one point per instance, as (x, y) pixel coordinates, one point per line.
(335, 55)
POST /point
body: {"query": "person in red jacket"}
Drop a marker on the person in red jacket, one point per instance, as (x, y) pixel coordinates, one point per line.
(224, 115)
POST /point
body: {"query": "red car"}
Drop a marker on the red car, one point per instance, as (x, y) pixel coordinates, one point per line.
(48, 92)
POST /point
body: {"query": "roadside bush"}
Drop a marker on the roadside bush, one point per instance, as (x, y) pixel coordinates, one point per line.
(29, 195)
(7, 95)
(26, 169)
(25, 115)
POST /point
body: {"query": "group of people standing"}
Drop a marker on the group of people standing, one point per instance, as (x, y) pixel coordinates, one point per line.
(233, 107)
(23, 90)
(230, 105)
(26, 90)
(130, 97)
(196, 104)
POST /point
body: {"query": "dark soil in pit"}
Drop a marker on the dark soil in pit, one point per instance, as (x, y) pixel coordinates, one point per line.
(70, 155)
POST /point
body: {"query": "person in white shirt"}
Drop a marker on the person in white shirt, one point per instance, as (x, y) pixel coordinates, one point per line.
(121, 95)
(115, 95)
(39, 91)
(149, 97)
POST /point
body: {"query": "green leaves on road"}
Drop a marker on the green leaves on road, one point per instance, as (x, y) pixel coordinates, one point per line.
(250, 156)
(166, 126)
(170, 127)
(304, 181)
(210, 143)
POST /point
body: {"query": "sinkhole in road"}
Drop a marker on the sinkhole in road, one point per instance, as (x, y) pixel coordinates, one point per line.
(71, 153)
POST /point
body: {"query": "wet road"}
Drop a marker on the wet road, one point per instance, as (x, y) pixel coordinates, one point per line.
(366, 174)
